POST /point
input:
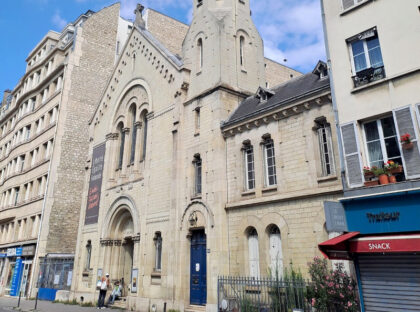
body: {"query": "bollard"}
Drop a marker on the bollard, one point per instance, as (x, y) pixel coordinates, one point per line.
(20, 294)
(36, 301)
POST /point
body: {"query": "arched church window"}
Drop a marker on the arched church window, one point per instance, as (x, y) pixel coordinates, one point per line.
(143, 118)
(200, 54)
(133, 133)
(122, 142)
(158, 251)
(242, 51)
(88, 254)
(197, 174)
(253, 253)
(276, 253)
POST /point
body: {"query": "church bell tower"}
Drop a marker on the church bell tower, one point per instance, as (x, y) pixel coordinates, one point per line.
(223, 47)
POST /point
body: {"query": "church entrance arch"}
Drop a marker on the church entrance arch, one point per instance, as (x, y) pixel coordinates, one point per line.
(120, 248)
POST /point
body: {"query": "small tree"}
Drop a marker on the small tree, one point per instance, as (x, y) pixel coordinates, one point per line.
(331, 290)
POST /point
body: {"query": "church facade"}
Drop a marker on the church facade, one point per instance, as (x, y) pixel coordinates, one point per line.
(197, 169)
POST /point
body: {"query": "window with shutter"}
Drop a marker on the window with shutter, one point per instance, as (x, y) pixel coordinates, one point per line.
(352, 155)
(418, 113)
(404, 121)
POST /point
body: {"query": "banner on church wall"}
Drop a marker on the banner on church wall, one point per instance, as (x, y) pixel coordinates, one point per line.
(95, 185)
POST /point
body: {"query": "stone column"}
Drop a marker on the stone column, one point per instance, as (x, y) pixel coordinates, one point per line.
(126, 155)
(111, 142)
(137, 156)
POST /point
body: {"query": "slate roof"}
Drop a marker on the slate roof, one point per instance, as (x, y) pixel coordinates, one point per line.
(284, 94)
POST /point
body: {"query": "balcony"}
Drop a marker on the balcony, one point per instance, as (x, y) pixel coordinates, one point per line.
(368, 75)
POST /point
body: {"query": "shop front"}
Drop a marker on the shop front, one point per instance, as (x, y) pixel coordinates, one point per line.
(383, 241)
(16, 269)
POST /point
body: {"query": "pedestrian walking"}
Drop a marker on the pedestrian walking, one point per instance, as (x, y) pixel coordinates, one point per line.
(103, 287)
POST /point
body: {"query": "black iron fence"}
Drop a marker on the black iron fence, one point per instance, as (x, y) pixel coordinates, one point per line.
(248, 294)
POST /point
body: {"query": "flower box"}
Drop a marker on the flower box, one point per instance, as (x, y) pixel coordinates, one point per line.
(369, 175)
(371, 183)
(398, 169)
(407, 146)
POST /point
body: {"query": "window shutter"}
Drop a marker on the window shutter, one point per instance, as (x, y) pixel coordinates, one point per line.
(404, 121)
(347, 4)
(352, 155)
(418, 113)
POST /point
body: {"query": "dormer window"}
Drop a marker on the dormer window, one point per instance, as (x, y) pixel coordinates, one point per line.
(321, 70)
(264, 94)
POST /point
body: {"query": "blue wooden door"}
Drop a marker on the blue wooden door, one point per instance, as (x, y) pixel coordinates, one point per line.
(198, 278)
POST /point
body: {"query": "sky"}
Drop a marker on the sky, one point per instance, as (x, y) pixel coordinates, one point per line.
(291, 29)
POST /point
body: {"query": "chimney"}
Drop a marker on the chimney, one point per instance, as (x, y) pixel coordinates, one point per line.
(139, 21)
(6, 93)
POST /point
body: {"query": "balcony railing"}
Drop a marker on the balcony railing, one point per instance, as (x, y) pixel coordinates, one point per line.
(368, 75)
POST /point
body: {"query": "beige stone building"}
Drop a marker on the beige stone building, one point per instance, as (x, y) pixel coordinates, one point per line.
(43, 148)
(164, 208)
(375, 69)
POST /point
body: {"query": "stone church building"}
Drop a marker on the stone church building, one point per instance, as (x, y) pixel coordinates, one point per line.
(206, 159)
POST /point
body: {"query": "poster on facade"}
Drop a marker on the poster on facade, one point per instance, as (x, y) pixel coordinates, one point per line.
(95, 184)
(17, 273)
(134, 275)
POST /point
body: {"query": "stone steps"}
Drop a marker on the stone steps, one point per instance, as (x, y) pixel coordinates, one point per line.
(119, 304)
(195, 308)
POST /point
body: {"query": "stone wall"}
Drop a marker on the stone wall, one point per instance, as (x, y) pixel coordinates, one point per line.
(89, 68)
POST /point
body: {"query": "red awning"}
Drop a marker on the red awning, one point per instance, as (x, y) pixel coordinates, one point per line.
(341, 247)
(337, 248)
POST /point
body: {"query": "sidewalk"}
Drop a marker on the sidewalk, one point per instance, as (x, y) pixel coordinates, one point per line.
(8, 303)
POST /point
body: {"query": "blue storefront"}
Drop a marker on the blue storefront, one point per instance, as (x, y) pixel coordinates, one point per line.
(383, 241)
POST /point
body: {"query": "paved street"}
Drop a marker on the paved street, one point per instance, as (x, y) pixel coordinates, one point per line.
(8, 304)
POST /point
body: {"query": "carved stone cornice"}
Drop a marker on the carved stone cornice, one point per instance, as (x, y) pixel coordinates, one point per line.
(111, 136)
(126, 130)
(136, 239)
(282, 112)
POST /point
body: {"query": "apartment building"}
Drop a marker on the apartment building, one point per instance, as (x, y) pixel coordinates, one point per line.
(43, 148)
(373, 58)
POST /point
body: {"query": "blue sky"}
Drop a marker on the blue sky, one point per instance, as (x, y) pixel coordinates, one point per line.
(291, 29)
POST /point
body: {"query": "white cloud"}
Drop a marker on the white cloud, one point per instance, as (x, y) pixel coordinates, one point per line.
(128, 6)
(58, 21)
(291, 30)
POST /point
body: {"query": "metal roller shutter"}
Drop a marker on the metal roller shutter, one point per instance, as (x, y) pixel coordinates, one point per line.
(390, 282)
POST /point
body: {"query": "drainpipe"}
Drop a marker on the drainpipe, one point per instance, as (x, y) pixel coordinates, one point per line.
(334, 100)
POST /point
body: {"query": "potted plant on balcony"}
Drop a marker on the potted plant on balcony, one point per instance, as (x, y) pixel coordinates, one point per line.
(393, 167)
(368, 172)
(382, 174)
(406, 142)
(369, 176)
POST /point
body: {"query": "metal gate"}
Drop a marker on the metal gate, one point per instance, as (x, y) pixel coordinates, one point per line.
(390, 282)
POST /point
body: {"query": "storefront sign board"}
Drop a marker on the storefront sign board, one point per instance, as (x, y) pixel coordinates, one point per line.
(383, 214)
(384, 245)
(335, 217)
(14, 252)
